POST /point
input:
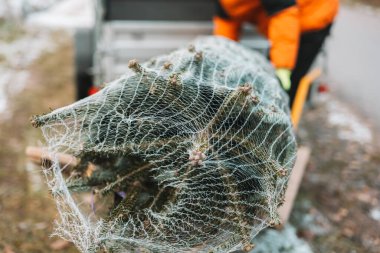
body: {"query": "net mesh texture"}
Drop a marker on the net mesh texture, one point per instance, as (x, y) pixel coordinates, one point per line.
(189, 152)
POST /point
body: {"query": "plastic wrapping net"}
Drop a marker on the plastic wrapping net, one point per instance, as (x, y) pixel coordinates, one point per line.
(189, 152)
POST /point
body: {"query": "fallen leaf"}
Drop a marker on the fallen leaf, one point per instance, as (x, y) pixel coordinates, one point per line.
(8, 249)
(348, 232)
(59, 244)
(341, 214)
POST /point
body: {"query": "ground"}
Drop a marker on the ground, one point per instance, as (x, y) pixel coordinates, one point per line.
(338, 202)
(27, 211)
(337, 208)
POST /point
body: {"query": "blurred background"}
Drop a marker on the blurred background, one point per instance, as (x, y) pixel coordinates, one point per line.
(53, 52)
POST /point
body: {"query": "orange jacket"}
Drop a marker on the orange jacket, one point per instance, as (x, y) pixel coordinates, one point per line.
(281, 21)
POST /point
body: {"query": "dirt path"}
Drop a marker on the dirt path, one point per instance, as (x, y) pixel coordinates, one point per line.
(27, 211)
(338, 206)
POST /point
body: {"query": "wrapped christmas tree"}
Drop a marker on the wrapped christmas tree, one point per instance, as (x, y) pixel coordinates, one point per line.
(189, 152)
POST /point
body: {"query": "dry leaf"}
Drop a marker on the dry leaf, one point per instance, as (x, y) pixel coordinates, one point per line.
(8, 249)
(59, 244)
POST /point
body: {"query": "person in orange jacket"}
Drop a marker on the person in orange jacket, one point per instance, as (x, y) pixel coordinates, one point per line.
(296, 31)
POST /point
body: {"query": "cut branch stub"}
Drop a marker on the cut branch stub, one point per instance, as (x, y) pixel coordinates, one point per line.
(197, 157)
(135, 66)
(175, 79)
(246, 89)
(198, 56)
(167, 65)
(191, 48)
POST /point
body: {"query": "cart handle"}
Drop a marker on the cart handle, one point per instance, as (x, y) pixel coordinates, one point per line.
(301, 95)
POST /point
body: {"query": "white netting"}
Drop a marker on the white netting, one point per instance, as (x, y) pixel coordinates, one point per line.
(195, 147)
